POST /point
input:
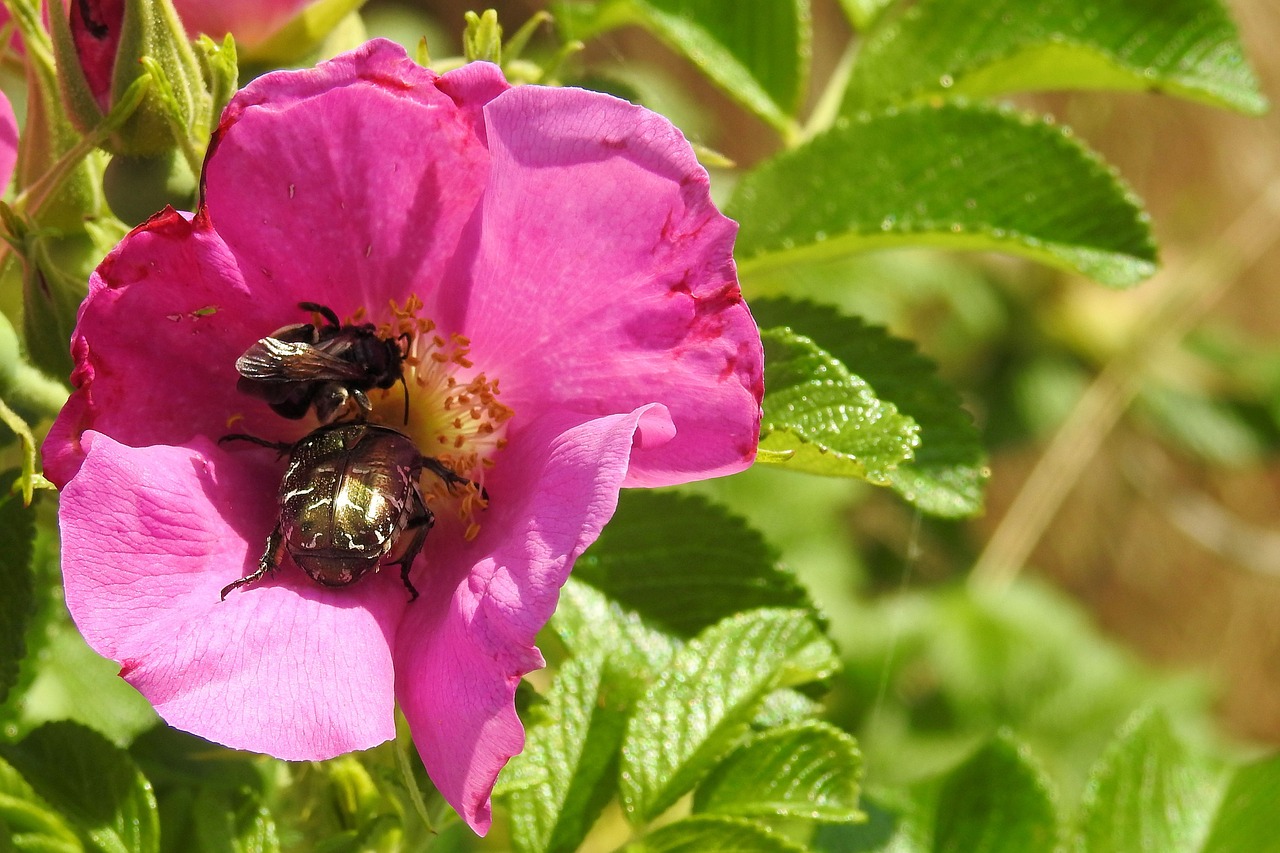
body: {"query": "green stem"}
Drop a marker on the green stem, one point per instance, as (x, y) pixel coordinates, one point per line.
(29, 480)
(33, 393)
(1183, 303)
(404, 762)
(30, 199)
(827, 108)
(35, 39)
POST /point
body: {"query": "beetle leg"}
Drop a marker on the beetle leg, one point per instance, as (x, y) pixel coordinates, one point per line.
(418, 526)
(281, 447)
(270, 558)
(444, 472)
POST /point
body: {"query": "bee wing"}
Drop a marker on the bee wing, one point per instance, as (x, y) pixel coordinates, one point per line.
(274, 360)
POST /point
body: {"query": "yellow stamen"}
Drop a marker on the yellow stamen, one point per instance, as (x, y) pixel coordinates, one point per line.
(454, 413)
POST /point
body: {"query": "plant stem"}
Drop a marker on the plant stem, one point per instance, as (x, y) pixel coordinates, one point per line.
(1184, 301)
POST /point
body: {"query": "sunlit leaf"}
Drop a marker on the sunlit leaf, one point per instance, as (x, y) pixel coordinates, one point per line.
(1247, 811)
(996, 802)
(821, 419)
(1147, 793)
(756, 50)
(713, 834)
(575, 741)
(1188, 48)
(810, 770)
(947, 472)
(701, 707)
(587, 621)
(685, 563)
(955, 175)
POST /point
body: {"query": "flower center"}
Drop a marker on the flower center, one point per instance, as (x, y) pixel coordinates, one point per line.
(454, 412)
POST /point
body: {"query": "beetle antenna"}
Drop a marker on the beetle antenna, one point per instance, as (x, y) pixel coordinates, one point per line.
(280, 447)
(405, 386)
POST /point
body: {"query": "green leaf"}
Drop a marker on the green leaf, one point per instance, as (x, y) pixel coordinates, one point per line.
(757, 51)
(996, 802)
(702, 706)
(1147, 793)
(31, 824)
(784, 707)
(684, 563)
(980, 48)
(823, 418)
(886, 830)
(17, 604)
(955, 175)
(93, 783)
(588, 621)
(713, 834)
(73, 682)
(810, 770)
(948, 471)
(576, 744)
(1204, 425)
(228, 821)
(1248, 810)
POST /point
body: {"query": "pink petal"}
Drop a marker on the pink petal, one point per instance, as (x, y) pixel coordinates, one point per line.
(464, 645)
(154, 363)
(600, 277)
(8, 141)
(347, 184)
(286, 667)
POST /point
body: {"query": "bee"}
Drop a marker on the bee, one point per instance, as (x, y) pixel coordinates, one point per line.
(349, 504)
(328, 366)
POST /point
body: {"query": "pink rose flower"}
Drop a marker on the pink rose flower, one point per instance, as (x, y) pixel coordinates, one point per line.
(589, 334)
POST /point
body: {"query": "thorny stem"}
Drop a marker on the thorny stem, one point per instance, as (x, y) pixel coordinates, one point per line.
(1183, 302)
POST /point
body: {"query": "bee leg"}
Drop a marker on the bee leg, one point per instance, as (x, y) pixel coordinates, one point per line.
(270, 558)
(281, 447)
(330, 400)
(418, 527)
(323, 310)
(361, 400)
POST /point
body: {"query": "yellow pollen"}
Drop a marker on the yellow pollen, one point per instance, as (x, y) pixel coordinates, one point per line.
(454, 413)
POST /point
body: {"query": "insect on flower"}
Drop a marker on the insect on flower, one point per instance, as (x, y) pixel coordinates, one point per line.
(555, 391)
(328, 366)
(349, 503)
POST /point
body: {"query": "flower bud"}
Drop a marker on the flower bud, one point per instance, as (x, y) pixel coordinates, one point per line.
(100, 45)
